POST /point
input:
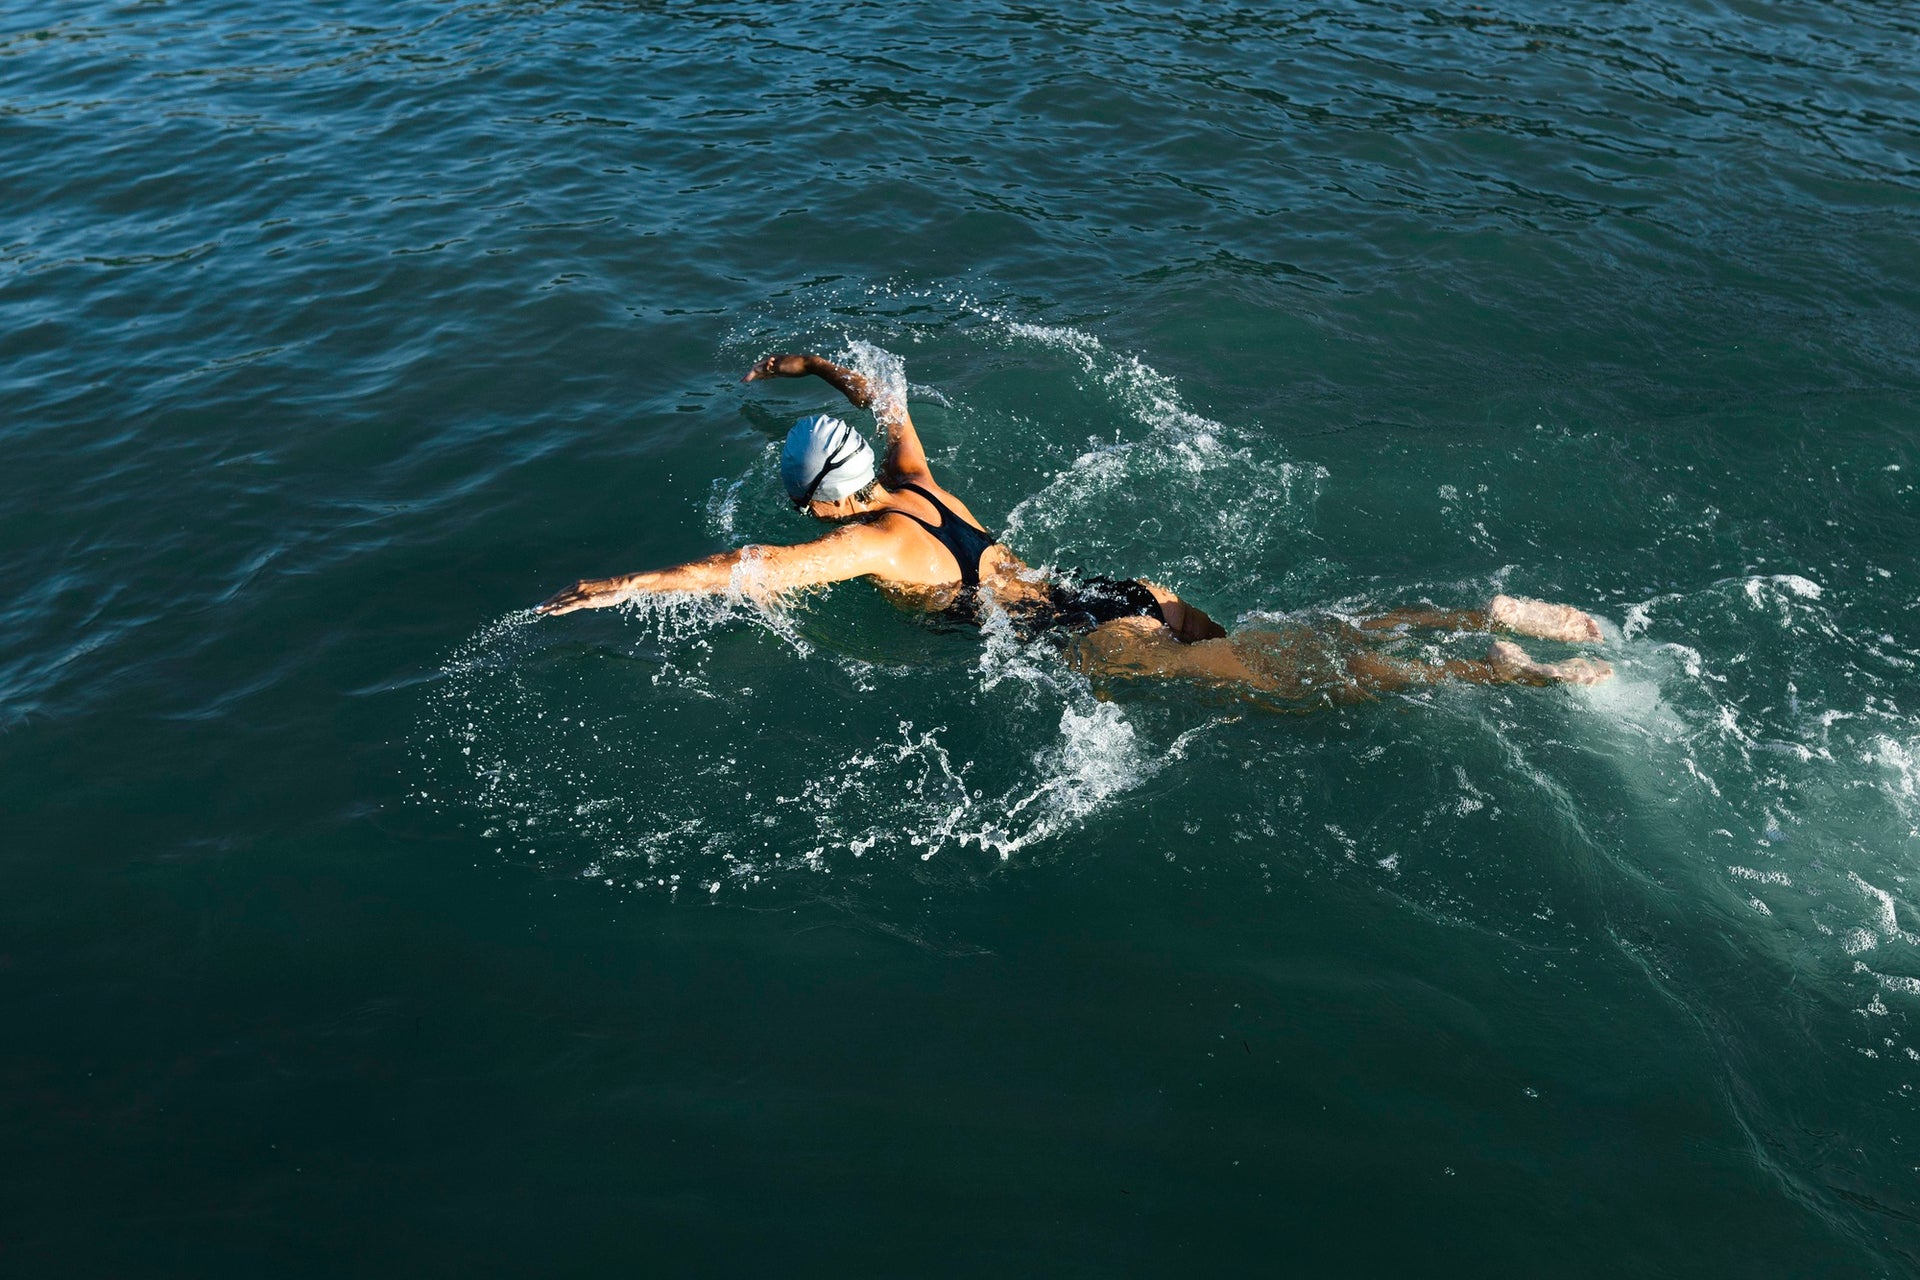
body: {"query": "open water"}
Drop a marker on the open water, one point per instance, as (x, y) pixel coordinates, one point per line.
(353, 921)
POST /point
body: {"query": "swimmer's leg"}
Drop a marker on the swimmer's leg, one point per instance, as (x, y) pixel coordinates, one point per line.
(1371, 672)
(1516, 665)
(1425, 620)
(1536, 618)
(1146, 647)
(1506, 663)
(1542, 620)
(1297, 664)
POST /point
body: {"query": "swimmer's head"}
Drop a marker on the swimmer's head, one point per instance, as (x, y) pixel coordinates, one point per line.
(825, 460)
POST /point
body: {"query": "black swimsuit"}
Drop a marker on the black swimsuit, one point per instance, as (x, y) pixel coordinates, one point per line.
(964, 542)
(1082, 608)
(1063, 609)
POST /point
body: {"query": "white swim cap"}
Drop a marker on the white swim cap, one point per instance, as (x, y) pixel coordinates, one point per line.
(824, 460)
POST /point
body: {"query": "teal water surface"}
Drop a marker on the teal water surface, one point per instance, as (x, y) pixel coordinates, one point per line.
(353, 920)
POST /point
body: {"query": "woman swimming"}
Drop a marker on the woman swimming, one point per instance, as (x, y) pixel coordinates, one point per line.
(922, 547)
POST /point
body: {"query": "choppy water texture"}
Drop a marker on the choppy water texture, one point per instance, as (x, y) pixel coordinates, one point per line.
(356, 921)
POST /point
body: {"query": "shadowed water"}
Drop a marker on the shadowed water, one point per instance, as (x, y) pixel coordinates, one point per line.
(355, 919)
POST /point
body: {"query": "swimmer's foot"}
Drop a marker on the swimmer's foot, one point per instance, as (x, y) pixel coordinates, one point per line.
(1543, 621)
(1514, 662)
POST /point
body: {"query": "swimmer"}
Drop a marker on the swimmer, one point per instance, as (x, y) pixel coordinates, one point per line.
(923, 548)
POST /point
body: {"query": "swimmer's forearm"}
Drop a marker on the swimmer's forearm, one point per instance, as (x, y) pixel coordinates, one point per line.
(711, 576)
(844, 380)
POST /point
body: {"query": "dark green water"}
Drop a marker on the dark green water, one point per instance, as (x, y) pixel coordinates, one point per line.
(353, 922)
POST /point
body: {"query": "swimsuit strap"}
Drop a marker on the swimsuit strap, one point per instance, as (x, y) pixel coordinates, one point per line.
(964, 542)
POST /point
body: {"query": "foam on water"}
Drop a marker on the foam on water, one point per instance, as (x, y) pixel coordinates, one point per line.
(1799, 790)
(612, 779)
(1186, 498)
(886, 375)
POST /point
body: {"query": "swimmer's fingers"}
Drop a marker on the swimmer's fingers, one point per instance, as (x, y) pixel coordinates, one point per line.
(585, 594)
(574, 597)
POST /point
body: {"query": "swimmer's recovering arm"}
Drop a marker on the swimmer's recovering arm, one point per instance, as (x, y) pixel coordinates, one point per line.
(905, 458)
(758, 572)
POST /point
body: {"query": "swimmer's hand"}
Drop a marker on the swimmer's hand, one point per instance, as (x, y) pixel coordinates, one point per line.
(779, 366)
(589, 593)
(850, 384)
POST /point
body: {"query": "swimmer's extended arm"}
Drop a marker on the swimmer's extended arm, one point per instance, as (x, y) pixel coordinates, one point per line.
(759, 572)
(848, 383)
(905, 458)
